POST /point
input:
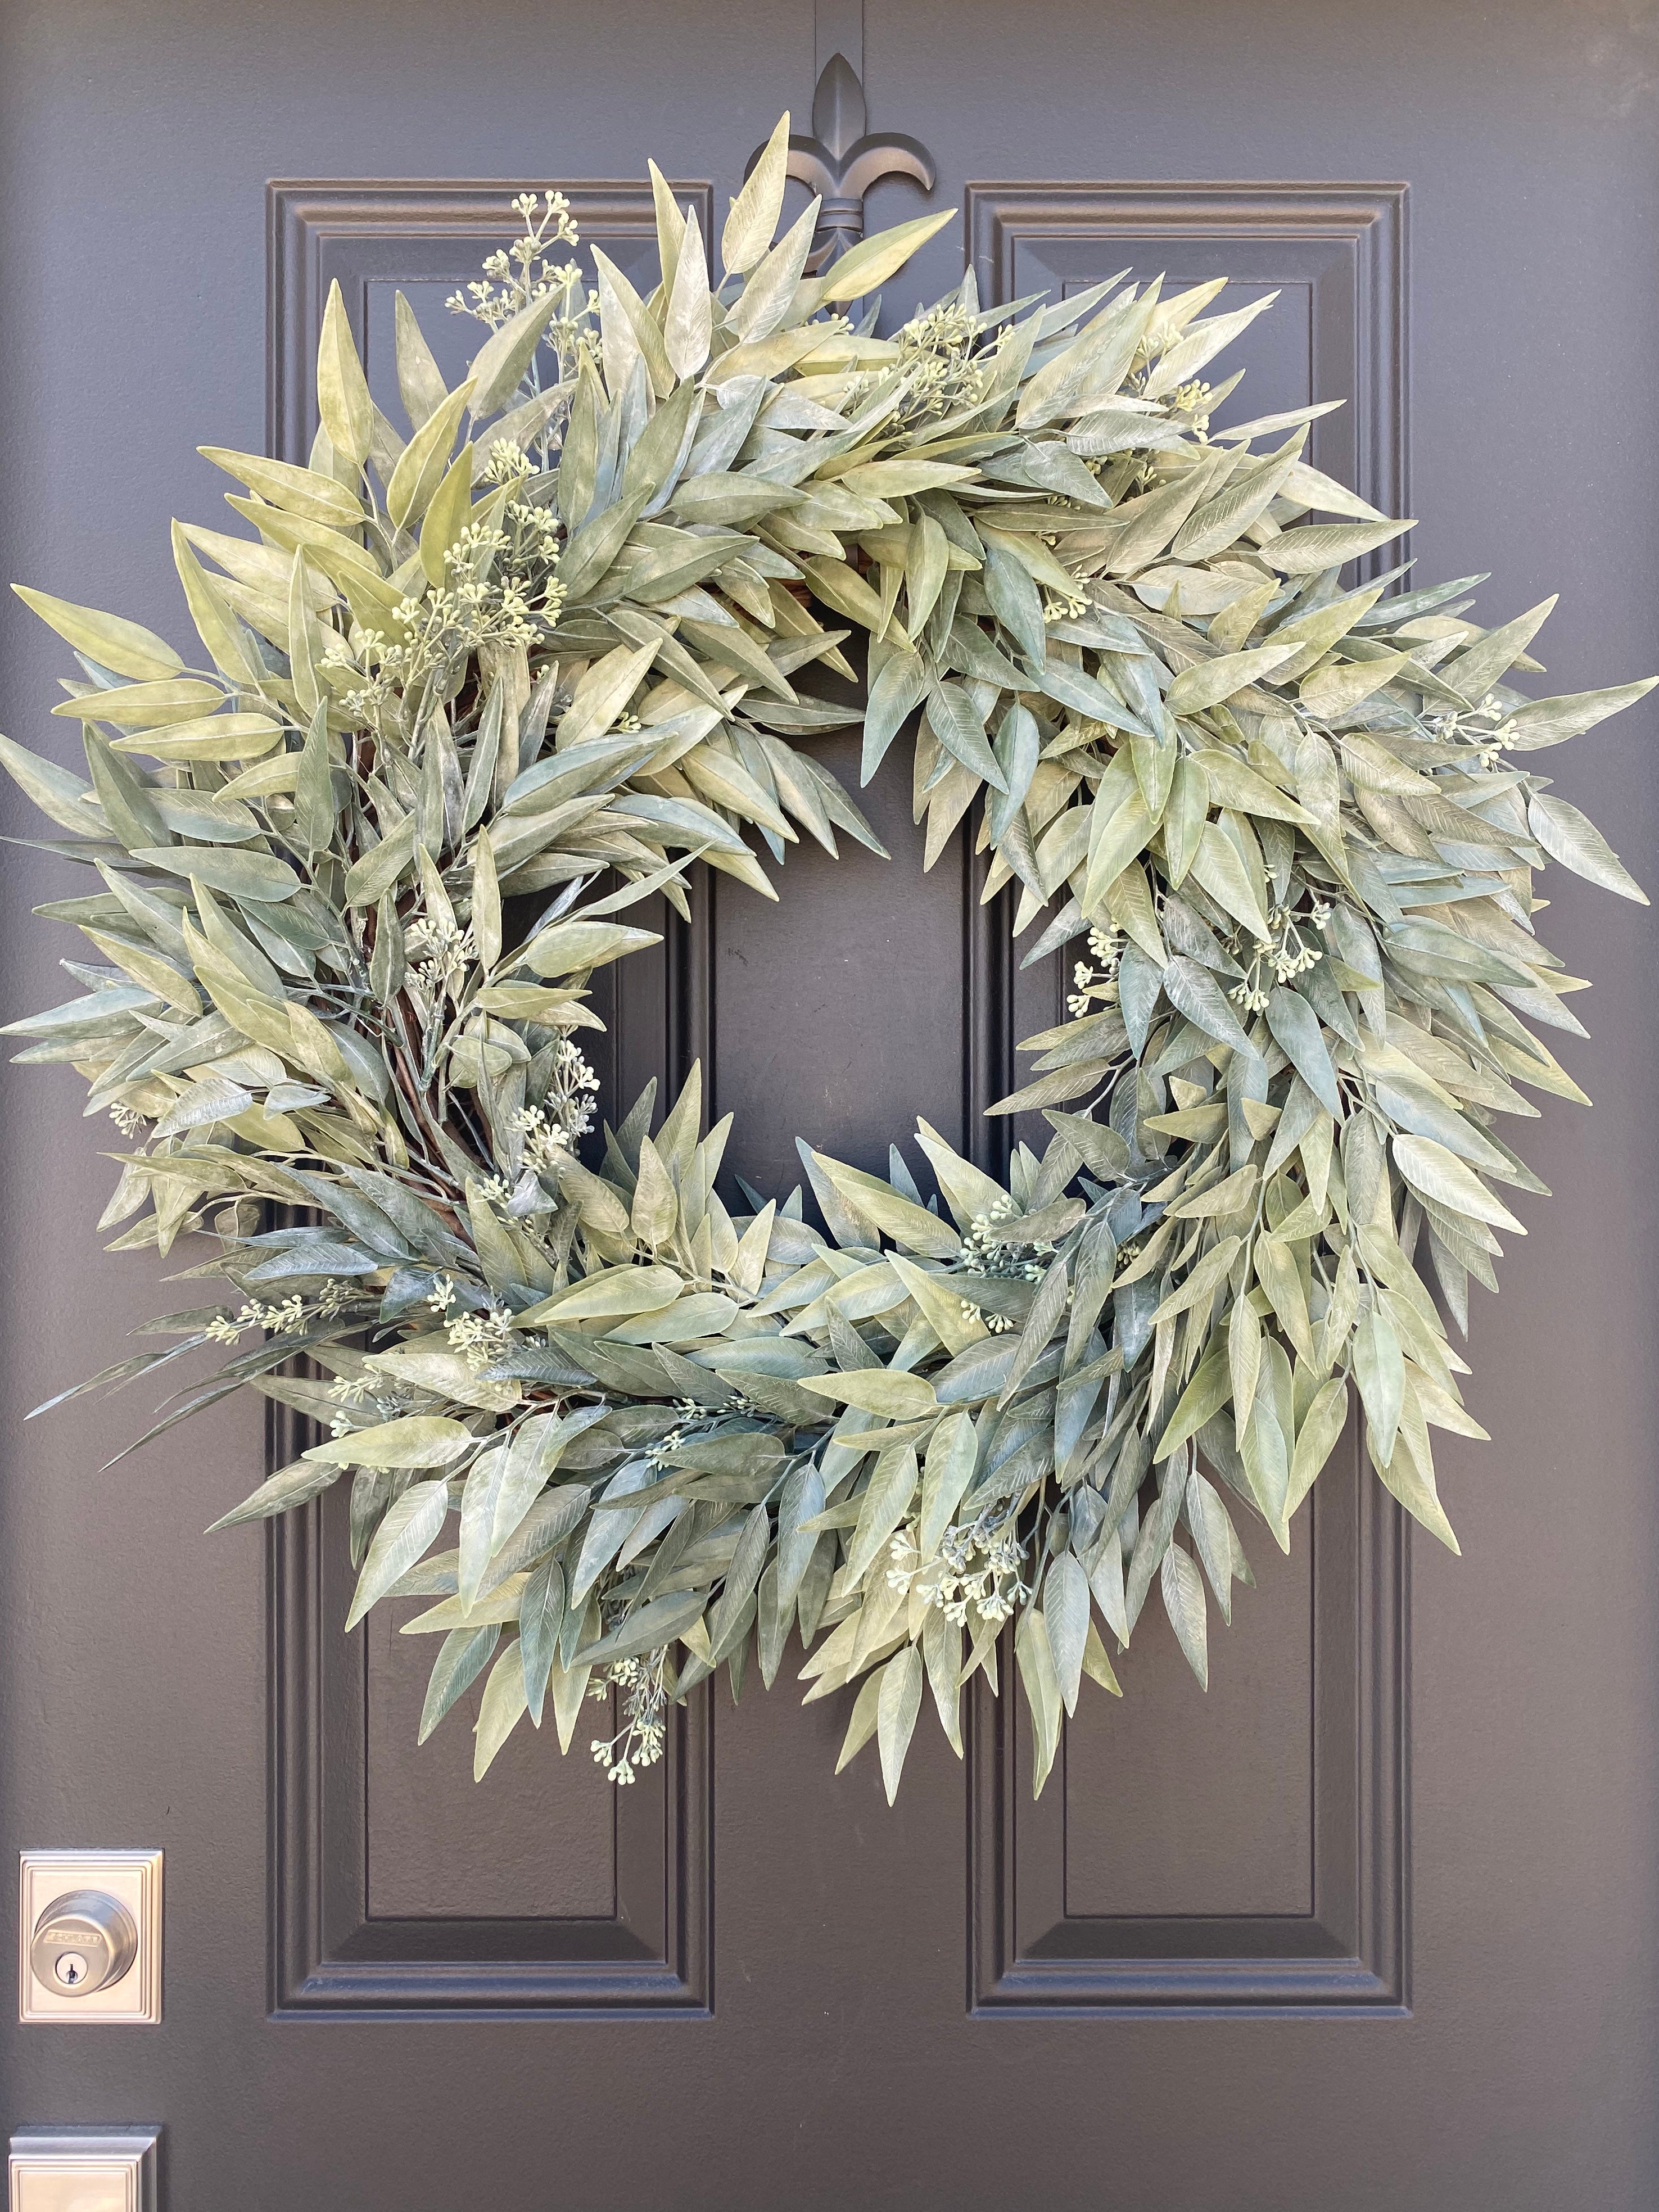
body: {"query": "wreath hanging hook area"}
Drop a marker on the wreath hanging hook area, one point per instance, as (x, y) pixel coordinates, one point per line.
(614, 1425)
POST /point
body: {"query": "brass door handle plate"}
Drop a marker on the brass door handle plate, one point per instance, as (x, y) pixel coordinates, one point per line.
(89, 1937)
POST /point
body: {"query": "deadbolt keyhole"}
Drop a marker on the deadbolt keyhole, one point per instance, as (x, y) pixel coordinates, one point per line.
(83, 1942)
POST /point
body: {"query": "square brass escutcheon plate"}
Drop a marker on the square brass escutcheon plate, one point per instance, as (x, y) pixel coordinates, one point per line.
(134, 1878)
(82, 2170)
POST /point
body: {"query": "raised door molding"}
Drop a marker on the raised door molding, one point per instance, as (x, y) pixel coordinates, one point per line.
(331, 1953)
(652, 1952)
(1350, 1952)
(1343, 247)
(1345, 241)
(390, 232)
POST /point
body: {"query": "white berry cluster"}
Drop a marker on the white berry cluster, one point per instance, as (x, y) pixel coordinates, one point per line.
(639, 1741)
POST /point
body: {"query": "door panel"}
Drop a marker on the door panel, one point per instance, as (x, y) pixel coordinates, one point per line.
(431, 1879)
(398, 1887)
(1335, 255)
(1132, 1849)
(534, 1847)
(840, 1013)
(1252, 1877)
(1368, 1929)
(1243, 1853)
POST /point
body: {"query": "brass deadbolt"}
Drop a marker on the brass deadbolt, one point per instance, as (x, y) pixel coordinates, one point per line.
(82, 1942)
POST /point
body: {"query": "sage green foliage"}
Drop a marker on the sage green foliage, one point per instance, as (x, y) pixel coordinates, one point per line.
(556, 641)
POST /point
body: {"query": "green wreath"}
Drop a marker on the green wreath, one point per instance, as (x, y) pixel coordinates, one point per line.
(1279, 815)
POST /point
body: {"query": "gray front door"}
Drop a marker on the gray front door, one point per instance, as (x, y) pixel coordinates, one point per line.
(1367, 1928)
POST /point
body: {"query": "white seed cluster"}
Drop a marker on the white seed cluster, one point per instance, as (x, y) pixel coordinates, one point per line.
(282, 1320)
(639, 1741)
(979, 1568)
(519, 274)
(1476, 726)
(286, 1319)
(440, 950)
(437, 630)
(936, 357)
(691, 1416)
(985, 1254)
(480, 1338)
(1096, 977)
(1056, 608)
(566, 1110)
(545, 1142)
(1193, 400)
(1285, 951)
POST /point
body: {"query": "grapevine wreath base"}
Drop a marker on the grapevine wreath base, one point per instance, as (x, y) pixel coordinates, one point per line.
(618, 1429)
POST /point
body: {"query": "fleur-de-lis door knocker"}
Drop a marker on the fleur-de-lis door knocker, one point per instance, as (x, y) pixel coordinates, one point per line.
(842, 161)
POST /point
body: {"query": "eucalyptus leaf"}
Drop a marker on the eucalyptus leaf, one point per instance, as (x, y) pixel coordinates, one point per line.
(408, 1532)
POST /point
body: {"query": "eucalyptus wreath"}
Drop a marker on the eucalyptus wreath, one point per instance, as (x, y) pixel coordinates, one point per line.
(540, 656)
